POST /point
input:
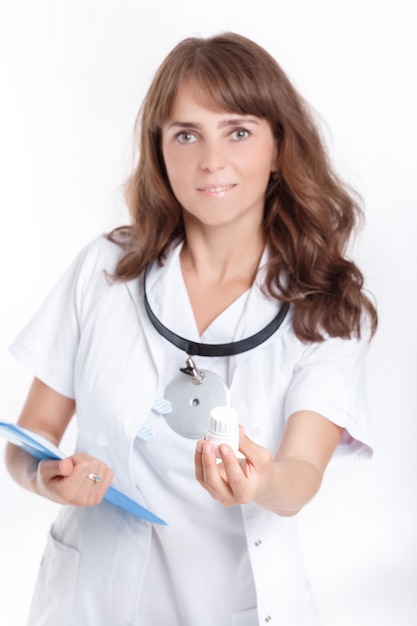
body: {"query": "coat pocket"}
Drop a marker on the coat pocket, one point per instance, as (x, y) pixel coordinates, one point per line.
(54, 591)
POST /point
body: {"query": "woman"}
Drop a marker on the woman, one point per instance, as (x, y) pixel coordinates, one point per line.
(234, 258)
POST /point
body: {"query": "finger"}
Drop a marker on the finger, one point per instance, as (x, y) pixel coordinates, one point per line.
(52, 478)
(75, 487)
(237, 481)
(198, 464)
(200, 468)
(205, 457)
(89, 491)
(66, 467)
(255, 454)
(213, 479)
(97, 488)
(246, 445)
(53, 469)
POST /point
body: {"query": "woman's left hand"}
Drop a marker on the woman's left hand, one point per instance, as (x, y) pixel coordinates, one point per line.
(234, 481)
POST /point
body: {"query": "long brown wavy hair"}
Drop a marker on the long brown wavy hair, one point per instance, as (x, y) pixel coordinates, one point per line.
(309, 213)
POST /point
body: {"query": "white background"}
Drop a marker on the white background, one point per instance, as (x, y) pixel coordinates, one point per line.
(72, 76)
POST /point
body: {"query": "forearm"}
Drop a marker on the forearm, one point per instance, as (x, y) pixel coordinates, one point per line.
(47, 413)
(294, 482)
(22, 467)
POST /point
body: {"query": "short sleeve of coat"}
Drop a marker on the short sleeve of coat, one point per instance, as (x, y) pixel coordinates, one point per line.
(329, 378)
(48, 344)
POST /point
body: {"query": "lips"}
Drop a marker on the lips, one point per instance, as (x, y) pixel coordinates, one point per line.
(216, 188)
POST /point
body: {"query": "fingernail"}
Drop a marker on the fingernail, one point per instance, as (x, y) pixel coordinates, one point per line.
(206, 448)
(199, 447)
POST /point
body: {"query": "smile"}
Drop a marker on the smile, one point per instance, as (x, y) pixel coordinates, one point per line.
(217, 189)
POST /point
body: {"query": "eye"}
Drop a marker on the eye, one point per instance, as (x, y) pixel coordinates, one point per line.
(240, 134)
(186, 137)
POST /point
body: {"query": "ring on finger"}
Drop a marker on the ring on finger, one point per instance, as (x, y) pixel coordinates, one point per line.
(94, 477)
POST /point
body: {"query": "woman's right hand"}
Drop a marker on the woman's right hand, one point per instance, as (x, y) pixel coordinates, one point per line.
(66, 481)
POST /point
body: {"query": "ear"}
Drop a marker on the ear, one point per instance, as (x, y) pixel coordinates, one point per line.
(274, 160)
(275, 175)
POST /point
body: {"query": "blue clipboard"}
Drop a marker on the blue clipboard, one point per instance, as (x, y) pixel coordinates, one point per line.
(41, 448)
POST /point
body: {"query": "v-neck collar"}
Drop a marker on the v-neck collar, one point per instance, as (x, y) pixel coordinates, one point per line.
(169, 300)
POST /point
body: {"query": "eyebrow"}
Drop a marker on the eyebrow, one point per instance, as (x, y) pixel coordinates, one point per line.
(222, 124)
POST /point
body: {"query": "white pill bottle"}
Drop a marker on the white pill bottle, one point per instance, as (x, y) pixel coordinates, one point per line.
(223, 428)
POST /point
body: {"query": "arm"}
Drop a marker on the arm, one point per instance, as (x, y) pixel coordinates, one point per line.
(48, 413)
(283, 484)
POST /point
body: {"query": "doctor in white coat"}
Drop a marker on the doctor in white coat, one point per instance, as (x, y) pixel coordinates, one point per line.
(229, 287)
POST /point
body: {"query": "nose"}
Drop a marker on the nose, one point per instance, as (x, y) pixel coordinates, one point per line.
(212, 157)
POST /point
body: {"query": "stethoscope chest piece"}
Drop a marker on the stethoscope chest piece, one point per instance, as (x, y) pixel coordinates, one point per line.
(192, 394)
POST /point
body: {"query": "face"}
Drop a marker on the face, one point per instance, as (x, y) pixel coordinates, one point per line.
(218, 163)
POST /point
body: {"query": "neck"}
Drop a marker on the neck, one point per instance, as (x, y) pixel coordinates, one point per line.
(218, 257)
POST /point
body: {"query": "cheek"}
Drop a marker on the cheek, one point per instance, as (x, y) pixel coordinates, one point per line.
(175, 172)
(261, 168)
(175, 164)
(170, 167)
(260, 161)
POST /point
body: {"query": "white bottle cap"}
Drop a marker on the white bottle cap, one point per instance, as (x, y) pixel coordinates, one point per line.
(223, 421)
(223, 428)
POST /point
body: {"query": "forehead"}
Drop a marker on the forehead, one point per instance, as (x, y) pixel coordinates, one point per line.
(191, 99)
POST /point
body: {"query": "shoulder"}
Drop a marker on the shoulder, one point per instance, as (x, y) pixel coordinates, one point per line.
(89, 275)
(101, 254)
(95, 263)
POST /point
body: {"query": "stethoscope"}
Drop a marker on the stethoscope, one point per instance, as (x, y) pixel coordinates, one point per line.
(194, 392)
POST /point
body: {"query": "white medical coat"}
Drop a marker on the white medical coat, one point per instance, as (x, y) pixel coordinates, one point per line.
(92, 341)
